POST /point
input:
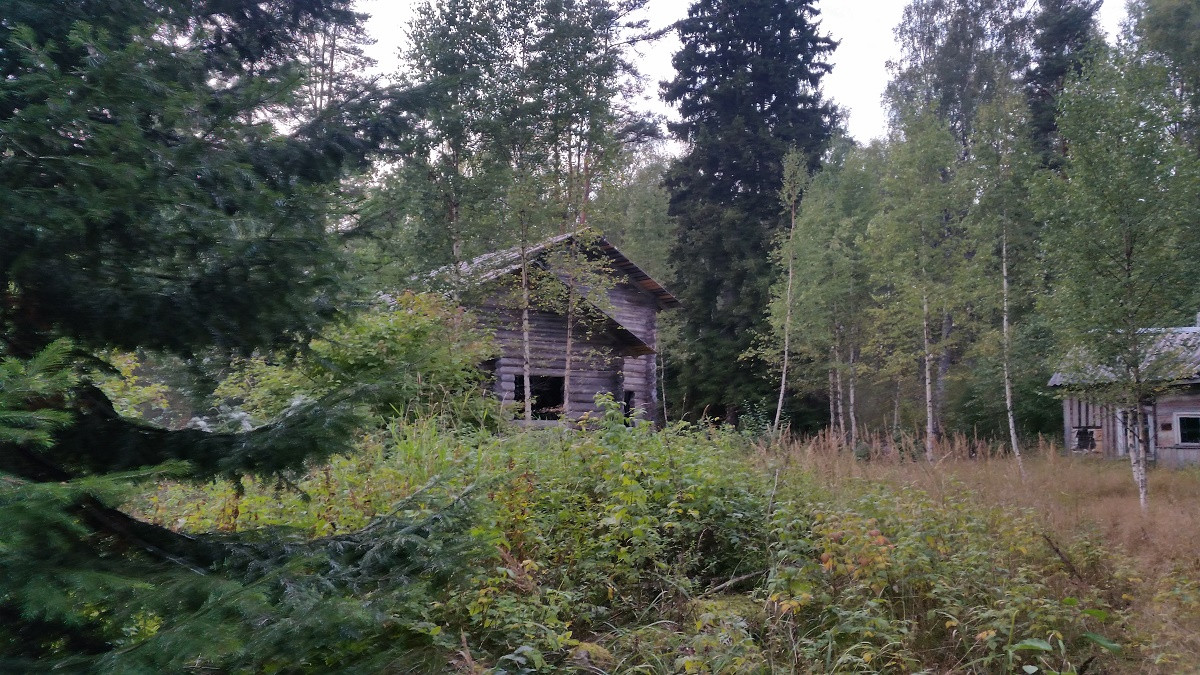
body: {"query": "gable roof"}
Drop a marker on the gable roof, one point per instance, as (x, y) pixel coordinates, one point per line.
(491, 266)
(1176, 354)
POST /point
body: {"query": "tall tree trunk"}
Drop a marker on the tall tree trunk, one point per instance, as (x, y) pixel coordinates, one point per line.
(787, 319)
(662, 383)
(453, 211)
(943, 373)
(1006, 330)
(896, 409)
(928, 365)
(525, 337)
(571, 302)
(1137, 457)
(832, 402)
(841, 398)
(851, 397)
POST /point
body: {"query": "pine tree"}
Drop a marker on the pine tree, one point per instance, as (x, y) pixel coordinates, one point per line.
(1169, 28)
(748, 89)
(1064, 33)
(150, 201)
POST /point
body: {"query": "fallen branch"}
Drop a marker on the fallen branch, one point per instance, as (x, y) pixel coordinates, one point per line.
(1063, 556)
(736, 580)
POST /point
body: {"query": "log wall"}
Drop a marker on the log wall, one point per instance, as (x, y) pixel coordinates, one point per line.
(598, 362)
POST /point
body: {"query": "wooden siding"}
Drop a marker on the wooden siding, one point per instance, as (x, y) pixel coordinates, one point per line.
(598, 363)
(1167, 409)
(1079, 414)
(1111, 438)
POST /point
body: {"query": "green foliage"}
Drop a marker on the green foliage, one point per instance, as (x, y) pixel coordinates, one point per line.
(748, 90)
(489, 165)
(1064, 33)
(1169, 28)
(415, 354)
(955, 56)
(127, 139)
(886, 581)
(831, 294)
(1119, 221)
(25, 384)
(623, 548)
(632, 212)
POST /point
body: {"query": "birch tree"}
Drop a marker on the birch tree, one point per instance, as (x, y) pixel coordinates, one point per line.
(916, 251)
(794, 178)
(1120, 234)
(822, 324)
(999, 224)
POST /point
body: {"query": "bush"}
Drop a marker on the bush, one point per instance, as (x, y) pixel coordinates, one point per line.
(625, 549)
(415, 356)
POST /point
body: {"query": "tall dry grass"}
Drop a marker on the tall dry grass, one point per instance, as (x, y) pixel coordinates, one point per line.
(1075, 498)
(1071, 494)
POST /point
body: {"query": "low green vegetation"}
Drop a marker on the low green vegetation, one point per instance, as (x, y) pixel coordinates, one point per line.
(622, 549)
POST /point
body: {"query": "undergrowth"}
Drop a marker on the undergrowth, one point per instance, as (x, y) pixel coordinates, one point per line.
(621, 549)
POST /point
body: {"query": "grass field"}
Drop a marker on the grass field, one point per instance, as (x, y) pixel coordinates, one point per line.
(1156, 552)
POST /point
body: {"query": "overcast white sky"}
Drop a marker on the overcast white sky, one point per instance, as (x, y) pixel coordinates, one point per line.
(859, 75)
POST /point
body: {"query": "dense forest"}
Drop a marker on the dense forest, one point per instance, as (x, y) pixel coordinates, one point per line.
(244, 426)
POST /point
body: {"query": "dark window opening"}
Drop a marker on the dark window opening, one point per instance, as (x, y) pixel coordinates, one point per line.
(547, 395)
(627, 406)
(1085, 439)
(1189, 429)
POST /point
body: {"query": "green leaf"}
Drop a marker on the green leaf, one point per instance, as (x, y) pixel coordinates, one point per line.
(1033, 643)
(1103, 642)
(1030, 669)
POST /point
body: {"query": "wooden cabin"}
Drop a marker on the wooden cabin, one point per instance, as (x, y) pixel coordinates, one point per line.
(1171, 421)
(589, 303)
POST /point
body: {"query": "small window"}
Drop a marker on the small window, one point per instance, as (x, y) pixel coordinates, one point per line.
(1189, 429)
(547, 395)
(1085, 439)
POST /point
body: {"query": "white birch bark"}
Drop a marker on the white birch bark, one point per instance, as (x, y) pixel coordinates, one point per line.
(1137, 457)
(787, 320)
(851, 398)
(929, 416)
(525, 347)
(1006, 330)
(841, 400)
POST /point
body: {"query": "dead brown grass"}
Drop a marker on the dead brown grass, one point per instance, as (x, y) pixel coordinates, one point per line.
(1157, 553)
(1070, 494)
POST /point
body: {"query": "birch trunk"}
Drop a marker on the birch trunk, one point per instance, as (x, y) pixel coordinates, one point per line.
(1006, 330)
(943, 373)
(832, 402)
(1137, 457)
(570, 331)
(787, 320)
(525, 347)
(929, 418)
(662, 384)
(841, 399)
(851, 397)
(896, 409)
